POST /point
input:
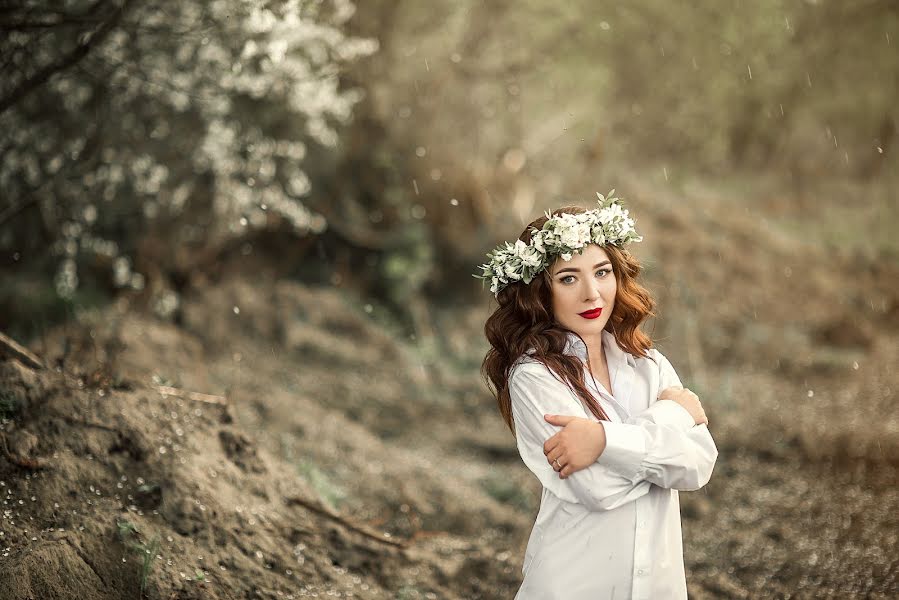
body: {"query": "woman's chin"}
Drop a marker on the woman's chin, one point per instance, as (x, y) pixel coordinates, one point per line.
(588, 328)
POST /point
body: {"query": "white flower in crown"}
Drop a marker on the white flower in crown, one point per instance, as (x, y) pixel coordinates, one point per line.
(560, 236)
(530, 256)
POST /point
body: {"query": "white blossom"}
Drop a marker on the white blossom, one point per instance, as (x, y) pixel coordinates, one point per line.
(196, 82)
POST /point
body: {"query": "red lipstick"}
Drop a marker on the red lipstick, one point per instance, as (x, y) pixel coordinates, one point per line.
(591, 314)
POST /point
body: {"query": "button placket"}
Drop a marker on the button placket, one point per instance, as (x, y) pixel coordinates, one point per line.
(642, 551)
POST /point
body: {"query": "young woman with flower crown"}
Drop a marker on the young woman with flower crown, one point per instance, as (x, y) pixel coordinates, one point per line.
(599, 415)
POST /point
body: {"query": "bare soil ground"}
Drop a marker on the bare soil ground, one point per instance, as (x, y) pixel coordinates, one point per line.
(348, 462)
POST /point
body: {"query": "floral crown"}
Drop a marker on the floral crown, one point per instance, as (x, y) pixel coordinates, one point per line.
(561, 235)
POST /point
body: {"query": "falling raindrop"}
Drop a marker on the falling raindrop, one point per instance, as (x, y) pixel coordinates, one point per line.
(811, 393)
(454, 202)
(236, 310)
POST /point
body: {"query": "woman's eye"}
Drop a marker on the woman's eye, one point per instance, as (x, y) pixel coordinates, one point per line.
(604, 272)
(563, 280)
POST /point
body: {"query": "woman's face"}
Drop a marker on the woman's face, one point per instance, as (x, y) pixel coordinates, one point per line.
(583, 283)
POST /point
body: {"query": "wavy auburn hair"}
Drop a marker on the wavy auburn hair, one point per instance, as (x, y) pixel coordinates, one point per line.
(524, 319)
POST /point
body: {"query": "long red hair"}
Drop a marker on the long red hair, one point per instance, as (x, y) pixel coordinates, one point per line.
(523, 319)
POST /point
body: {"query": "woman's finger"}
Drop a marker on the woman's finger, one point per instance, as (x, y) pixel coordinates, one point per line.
(549, 444)
(552, 457)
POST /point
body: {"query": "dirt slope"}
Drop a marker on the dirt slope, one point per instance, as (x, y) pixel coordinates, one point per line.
(336, 430)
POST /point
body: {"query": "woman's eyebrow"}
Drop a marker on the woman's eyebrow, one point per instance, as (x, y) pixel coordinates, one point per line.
(574, 270)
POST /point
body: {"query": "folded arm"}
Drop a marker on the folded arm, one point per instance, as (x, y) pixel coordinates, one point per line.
(658, 446)
(662, 444)
(653, 447)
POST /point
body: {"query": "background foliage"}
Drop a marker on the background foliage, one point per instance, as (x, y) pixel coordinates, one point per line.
(283, 203)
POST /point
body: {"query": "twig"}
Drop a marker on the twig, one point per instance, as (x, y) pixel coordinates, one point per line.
(197, 396)
(75, 421)
(10, 347)
(321, 510)
(26, 463)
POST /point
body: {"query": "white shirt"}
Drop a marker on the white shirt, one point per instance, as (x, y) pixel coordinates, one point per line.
(611, 530)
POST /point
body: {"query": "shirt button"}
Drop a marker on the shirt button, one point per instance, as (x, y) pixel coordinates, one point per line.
(639, 571)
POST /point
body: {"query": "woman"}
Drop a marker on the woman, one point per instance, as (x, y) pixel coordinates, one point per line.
(600, 417)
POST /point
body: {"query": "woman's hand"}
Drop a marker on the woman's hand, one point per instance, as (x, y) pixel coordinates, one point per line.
(688, 400)
(577, 446)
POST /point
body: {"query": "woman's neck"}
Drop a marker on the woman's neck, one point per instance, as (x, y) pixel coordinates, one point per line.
(595, 352)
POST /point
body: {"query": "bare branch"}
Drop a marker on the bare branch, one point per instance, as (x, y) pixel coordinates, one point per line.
(9, 347)
(78, 53)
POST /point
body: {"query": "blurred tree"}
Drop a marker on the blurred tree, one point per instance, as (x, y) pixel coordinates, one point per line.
(712, 86)
(797, 83)
(124, 120)
(485, 113)
(177, 129)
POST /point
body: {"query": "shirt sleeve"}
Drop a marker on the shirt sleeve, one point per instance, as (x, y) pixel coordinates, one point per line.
(667, 375)
(659, 446)
(665, 455)
(535, 392)
(662, 445)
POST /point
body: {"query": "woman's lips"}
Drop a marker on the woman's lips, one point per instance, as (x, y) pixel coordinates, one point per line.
(591, 314)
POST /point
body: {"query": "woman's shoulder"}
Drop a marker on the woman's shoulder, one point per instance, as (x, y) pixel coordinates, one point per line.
(652, 354)
(658, 358)
(652, 361)
(526, 366)
(658, 363)
(525, 362)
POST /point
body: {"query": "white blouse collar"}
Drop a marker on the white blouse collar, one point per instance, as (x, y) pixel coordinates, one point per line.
(614, 354)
